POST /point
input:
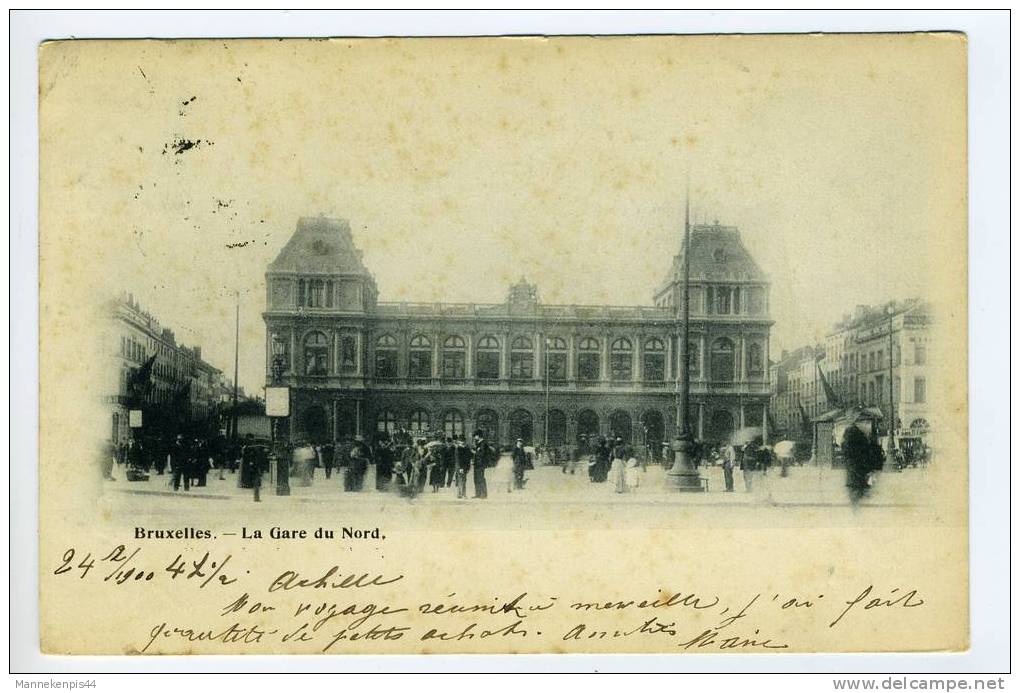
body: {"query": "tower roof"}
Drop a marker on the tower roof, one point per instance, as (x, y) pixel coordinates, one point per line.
(717, 254)
(320, 245)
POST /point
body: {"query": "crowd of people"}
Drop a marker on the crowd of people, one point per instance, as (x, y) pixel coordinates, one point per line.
(410, 464)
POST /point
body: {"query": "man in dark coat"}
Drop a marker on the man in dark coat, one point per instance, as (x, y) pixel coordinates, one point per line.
(253, 463)
(383, 466)
(461, 463)
(520, 458)
(326, 452)
(180, 463)
(483, 459)
(859, 459)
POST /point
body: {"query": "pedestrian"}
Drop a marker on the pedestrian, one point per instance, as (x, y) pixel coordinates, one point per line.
(483, 457)
(449, 466)
(202, 462)
(859, 461)
(729, 462)
(749, 465)
(434, 464)
(520, 463)
(359, 464)
(326, 452)
(461, 458)
(108, 459)
(384, 466)
(252, 466)
(158, 450)
(618, 466)
(503, 475)
(633, 473)
(179, 458)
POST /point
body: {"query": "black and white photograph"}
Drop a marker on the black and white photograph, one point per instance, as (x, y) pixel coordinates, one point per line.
(578, 344)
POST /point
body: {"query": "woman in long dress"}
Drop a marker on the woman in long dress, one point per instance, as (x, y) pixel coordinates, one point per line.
(504, 473)
(618, 469)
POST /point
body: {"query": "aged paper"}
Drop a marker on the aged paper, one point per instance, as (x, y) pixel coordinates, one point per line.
(425, 238)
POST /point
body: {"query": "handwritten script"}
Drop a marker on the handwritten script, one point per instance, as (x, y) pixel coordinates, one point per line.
(336, 608)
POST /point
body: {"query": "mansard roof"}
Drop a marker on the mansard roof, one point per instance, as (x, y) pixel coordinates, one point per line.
(320, 245)
(717, 255)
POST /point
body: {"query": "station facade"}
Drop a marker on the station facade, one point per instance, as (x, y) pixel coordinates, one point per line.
(547, 373)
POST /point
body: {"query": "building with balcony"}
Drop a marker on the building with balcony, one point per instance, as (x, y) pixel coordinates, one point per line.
(521, 368)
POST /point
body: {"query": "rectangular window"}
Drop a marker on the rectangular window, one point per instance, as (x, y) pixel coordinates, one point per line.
(736, 300)
(453, 365)
(522, 365)
(348, 354)
(655, 367)
(488, 365)
(920, 355)
(420, 364)
(386, 364)
(710, 301)
(722, 300)
(588, 366)
(622, 367)
(919, 390)
(557, 367)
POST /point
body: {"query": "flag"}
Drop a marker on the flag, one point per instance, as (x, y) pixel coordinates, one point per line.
(140, 379)
(830, 396)
(805, 422)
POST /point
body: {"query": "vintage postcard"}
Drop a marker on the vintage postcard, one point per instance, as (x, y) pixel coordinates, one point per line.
(633, 344)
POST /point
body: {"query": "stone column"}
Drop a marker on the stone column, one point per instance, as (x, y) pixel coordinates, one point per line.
(469, 358)
(505, 358)
(336, 419)
(701, 421)
(742, 363)
(605, 339)
(639, 355)
(572, 358)
(435, 353)
(743, 420)
(292, 361)
(540, 357)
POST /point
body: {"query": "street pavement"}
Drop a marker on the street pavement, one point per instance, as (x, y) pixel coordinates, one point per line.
(808, 496)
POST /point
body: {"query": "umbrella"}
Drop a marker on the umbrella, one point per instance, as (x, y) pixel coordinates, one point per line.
(745, 435)
(784, 448)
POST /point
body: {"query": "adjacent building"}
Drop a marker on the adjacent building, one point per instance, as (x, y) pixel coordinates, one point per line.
(178, 380)
(863, 353)
(521, 368)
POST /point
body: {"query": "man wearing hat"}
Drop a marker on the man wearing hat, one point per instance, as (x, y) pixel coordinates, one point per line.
(520, 458)
(483, 455)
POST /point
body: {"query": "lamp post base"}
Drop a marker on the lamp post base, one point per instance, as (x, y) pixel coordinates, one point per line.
(684, 482)
(683, 477)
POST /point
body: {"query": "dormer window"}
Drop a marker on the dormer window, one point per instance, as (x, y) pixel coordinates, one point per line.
(719, 255)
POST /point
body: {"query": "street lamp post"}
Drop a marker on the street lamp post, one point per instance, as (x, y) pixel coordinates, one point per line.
(282, 460)
(890, 311)
(683, 476)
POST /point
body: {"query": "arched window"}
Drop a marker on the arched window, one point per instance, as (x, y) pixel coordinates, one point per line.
(419, 364)
(454, 358)
(723, 360)
(418, 421)
(522, 358)
(386, 357)
(316, 353)
(588, 358)
(755, 360)
(487, 366)
(621, 360)
(453, 423)
(386, 422)
(556, 359)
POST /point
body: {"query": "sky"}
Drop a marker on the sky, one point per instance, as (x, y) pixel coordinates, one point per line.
(177, 170)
